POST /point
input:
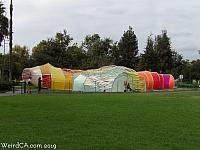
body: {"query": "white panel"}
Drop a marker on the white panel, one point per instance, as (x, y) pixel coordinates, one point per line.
(35, 74)
(79, 84)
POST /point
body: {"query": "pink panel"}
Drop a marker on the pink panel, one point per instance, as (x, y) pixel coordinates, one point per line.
(166, 81)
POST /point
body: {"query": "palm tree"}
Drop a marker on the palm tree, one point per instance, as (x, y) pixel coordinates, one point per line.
(3, 22)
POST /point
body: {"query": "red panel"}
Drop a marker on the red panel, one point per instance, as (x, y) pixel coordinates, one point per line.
(156, 80)
(171, 82)
(161, 81)
(46, 81)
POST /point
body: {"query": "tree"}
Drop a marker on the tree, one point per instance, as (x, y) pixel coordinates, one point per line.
(128, 48)
(98, 51)
(149, 60)
(195, 70)
(177, 64)
(53, 50)
(4, 59)
(41, 53)
(164, 52)
(62, 42)
(3, 22)
(60, 52)
(186, 69)
(76, 57)
(115, 54)
(90, 43)
(21, 60)
(3, 33)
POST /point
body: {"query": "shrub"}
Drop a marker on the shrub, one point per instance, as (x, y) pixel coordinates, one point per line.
(4, 86)
(187, 85)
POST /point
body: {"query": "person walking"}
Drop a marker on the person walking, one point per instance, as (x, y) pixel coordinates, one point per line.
(39, 84)
(29, 85)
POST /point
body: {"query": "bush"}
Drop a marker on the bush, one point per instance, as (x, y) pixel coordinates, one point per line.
(5, 86)
(187, 85)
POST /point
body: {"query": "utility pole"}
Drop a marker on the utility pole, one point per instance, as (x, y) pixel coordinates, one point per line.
(11, 41)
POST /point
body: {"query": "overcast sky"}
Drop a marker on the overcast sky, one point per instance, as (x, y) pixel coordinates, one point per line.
(35, 20)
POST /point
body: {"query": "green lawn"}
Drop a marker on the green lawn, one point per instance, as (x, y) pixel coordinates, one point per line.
(160, 121)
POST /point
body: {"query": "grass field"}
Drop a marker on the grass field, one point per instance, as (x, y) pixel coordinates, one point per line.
(160, 121)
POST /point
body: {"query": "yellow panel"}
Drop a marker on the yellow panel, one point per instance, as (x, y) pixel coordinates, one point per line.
(69, 78)
(46, 69)
(58, 79)
(139, 83)
(68, 85)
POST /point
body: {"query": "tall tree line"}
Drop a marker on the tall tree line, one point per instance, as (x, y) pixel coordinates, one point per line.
(95, 52)
(158, 55)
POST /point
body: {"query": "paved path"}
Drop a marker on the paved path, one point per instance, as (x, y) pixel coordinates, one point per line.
(17, 92)
(10, 93)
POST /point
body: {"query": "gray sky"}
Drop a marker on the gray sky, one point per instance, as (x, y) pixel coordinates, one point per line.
(37, 20)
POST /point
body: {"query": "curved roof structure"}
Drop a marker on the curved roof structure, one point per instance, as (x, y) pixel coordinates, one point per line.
(105, 79)
(109, 78)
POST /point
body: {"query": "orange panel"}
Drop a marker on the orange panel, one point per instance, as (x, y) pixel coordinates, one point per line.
(71, 72)
(150, 79)
(146, 78)
(171, 82)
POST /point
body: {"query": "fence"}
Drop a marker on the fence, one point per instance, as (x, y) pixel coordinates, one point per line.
(67, 87)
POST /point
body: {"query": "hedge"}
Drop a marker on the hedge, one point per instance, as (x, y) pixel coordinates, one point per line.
(5, 86)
